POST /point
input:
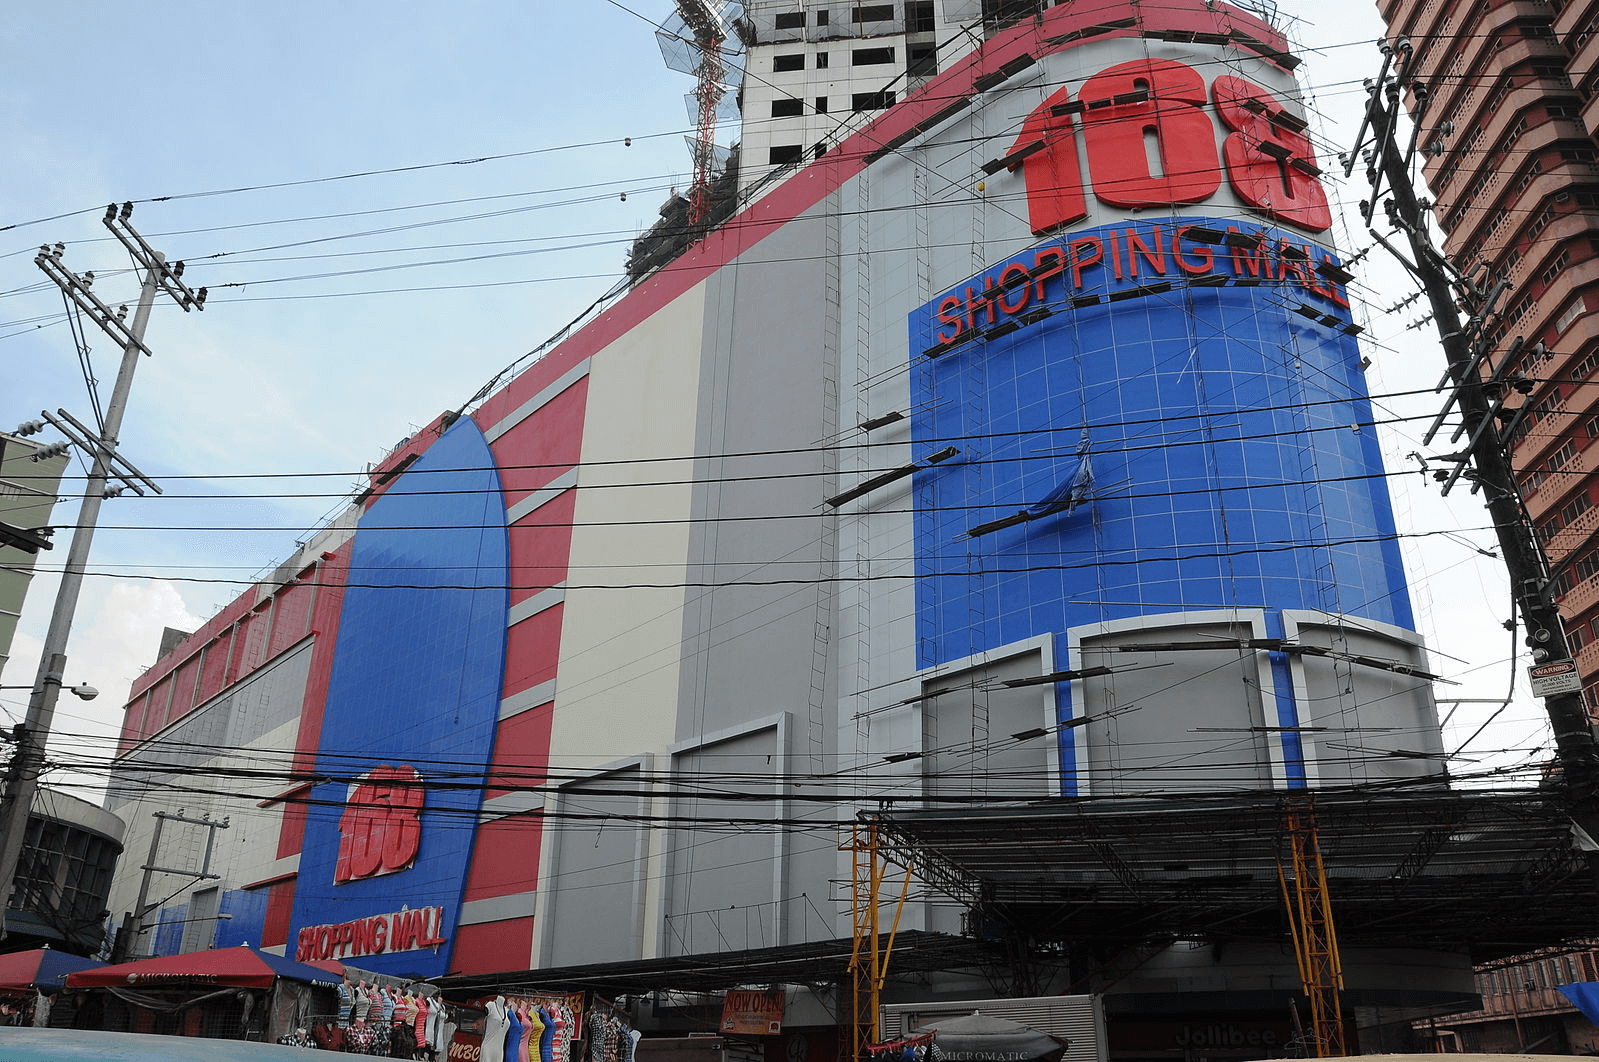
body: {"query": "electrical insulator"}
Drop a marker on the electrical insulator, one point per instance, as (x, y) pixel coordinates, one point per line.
(48, 452)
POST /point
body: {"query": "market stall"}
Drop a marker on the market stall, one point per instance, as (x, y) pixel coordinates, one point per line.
(29, 980)
(979, 1037)
(239, 993)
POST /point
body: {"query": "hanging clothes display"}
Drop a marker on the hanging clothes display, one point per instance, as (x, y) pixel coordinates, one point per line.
(609, 1032)
(495, 1023)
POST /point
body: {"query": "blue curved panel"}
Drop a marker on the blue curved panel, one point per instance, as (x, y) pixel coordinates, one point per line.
(416, 680)
(1153, 417)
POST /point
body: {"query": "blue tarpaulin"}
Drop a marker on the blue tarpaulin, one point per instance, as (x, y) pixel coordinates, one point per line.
(1585, 994)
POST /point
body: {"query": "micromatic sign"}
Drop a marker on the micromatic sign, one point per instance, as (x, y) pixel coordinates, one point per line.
(1136, 259)
(383, 934)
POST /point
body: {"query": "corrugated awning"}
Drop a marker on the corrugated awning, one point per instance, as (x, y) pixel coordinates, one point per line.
(1493, 872)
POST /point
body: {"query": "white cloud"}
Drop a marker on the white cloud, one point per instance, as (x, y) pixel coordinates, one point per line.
(116, 636)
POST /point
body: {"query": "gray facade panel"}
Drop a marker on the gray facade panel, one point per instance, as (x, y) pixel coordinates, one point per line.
(593, 912)
(764, 392)
(726, 879)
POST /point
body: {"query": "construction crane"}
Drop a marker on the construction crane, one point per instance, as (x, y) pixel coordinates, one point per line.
(708, 30)
(1303, 878)
(870, 952)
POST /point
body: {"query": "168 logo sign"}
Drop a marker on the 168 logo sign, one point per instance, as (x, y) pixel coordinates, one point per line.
(381, 828)
(1150, 142)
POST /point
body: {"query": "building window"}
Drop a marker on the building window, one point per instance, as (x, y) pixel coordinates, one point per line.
(821, 105)
(1552, 272)
(871, 56)
(1552, 72)
(782, 154)
(790, 20)
(922, 59)
(1563, 456)
(821, 60)
(874, 13)
(919, 16)
(1585, 368)
(1499, 95)
(788, 107)
(63, 873)
(821, 18)
(1574, 508)
(795, 61)
(820, 149)
(1575, 309)
(1540, 221)
(871, 101)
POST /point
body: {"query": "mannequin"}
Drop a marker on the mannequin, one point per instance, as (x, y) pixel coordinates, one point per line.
(546, 1050)
(531, 1027)
(346, 1001)
(420, 1026)
(513, 1034)
(435, 1037)
(495, 1025)
(446, 1035)
(559, 1016)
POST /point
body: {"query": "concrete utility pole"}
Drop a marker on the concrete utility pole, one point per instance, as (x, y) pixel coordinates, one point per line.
(35, 730)
(133, 921)
(1479, 386)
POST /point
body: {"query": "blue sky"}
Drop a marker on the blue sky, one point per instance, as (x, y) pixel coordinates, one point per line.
(107, 102)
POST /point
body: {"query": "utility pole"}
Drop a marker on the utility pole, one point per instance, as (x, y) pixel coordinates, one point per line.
(107, 464)
(1479, 382)
(133, 921)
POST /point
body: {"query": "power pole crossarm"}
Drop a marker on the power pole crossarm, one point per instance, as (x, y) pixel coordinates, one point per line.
(1463, 344)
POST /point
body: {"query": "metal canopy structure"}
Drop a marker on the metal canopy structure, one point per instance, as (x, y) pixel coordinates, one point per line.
(1495, 873)
(817, 963)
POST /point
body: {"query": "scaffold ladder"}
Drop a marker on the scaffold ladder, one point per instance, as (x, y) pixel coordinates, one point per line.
(870, 953)
(1304, 886)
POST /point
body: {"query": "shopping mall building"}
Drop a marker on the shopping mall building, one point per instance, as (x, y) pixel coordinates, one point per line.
(1006, 441)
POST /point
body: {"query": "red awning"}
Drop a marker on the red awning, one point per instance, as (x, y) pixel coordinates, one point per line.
(41, 967)
(240, 967)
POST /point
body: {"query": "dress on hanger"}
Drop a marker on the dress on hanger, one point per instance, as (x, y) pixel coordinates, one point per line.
(513, 1034)
(420, 1026)
(494, 1026)
(531, 1027)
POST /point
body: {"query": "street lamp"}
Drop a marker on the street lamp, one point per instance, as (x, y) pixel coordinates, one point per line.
(83, 691)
